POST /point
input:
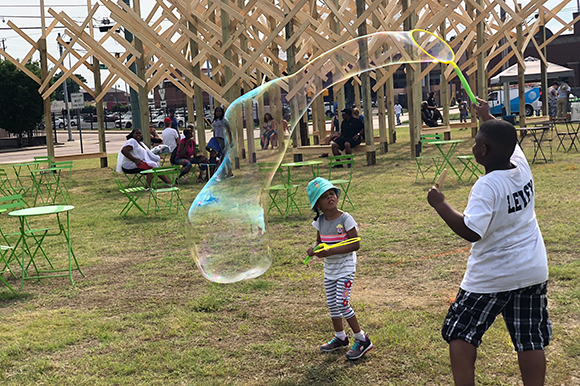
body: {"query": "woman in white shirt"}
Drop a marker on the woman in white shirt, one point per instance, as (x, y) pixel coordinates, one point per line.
(135, 157)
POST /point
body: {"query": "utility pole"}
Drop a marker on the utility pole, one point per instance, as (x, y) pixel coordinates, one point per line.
(65, 88)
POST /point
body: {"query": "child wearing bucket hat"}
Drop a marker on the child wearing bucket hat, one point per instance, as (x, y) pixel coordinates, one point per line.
(334, 226)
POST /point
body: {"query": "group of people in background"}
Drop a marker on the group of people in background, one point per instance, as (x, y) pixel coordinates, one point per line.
(135, 156)
(558, 96)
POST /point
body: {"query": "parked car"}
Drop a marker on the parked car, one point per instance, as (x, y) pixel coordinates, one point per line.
(158, 120)
(61, 123)
(126, 120)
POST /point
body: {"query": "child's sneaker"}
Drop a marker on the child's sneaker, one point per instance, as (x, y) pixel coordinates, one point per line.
(359, 348)
(334, 344)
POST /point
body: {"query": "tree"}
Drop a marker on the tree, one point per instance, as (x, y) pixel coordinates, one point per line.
(72, 86)
(20, 103)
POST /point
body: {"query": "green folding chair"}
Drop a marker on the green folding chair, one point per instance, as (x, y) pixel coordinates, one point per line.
(8, 251)
(282, 193)
(163, 196)
(7, 188)
(426, 163)
(133, 193)
(337, 165)
(64, 182)
(5, 248)
(469, 166)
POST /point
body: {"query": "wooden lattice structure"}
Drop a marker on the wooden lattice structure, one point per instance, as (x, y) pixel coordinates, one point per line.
(248, 41)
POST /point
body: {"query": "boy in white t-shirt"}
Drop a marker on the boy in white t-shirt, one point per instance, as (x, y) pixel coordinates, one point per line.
(507, 271)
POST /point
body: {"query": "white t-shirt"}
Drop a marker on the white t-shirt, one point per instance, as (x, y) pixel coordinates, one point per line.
(140, 151)
(511, 252)
(332, 232)
(398, 109)
(170, 137)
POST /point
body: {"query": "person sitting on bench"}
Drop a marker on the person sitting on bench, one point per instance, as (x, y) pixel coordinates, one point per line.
(427, 115)
(352, 133)
(433, 107)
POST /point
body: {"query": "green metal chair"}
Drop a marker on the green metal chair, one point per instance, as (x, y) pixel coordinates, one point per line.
(426, 163)
(8, 251)
(470, 167)
(282, 193)
(7, 188)
(63, 185)
(337, 165)
(133, 193)
(162, 196)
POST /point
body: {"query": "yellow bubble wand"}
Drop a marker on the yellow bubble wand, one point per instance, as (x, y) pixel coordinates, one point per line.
(451, 62)
(325, 247)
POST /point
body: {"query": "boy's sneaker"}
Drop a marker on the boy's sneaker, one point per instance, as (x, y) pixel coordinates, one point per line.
(359, 348)
(334, 344)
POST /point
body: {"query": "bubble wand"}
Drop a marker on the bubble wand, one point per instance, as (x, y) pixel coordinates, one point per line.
(325, 247)
(451, 62)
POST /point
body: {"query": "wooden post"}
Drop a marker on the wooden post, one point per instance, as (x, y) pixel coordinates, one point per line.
(443, 84)
(390, 96)
(366, 86)
(521, 78)
(481, 67)
(248, 104)
(471, 78)
(543, 70)
(413, 87)
(42, 49)
(99, 104)
(381, 98)
(143, 97)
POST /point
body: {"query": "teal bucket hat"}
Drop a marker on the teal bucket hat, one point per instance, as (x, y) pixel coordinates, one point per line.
(317, 187)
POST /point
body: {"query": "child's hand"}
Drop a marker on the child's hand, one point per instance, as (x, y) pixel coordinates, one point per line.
(435, 197)
(310, 251)
(323, 253)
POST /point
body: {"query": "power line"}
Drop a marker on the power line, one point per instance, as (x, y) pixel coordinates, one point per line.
(46, 6)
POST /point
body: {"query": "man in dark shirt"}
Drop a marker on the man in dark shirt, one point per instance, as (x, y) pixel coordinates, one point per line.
(352, 133)
(435, 113)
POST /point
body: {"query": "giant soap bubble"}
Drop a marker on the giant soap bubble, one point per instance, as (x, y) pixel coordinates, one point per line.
(227, 218)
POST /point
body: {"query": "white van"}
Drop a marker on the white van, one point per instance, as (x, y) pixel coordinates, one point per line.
(532, 98)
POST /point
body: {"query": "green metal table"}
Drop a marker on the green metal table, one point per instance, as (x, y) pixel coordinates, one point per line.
(447, 154)
(314, 165)
(31, 243)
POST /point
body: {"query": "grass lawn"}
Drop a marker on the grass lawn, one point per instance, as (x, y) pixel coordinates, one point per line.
(145, 316)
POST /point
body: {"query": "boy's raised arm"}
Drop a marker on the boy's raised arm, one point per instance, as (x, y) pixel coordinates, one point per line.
(452, 217)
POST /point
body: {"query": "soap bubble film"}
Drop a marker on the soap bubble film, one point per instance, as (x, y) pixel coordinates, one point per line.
(227, 219)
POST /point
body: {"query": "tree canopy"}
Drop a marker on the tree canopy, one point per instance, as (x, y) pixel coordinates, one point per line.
(21, 106)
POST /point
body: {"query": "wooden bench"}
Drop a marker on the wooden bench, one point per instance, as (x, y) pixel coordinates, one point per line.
(74, 157)
(321, 149)
(463, 125)
(446, 130)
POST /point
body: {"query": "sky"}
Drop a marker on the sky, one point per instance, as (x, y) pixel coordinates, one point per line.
(26, 15)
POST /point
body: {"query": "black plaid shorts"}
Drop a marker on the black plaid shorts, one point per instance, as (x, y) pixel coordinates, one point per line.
(525, 312)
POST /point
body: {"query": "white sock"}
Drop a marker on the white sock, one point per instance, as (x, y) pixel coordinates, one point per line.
(360, 335)
(340, 335)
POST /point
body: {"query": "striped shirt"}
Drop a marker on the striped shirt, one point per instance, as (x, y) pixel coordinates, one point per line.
(332, 232)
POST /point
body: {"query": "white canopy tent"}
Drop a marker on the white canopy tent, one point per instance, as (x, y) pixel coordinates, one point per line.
(532, 72)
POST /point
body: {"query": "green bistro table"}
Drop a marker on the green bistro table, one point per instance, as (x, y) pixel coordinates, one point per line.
(314, 165)
(31, 243)
(447, 154)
